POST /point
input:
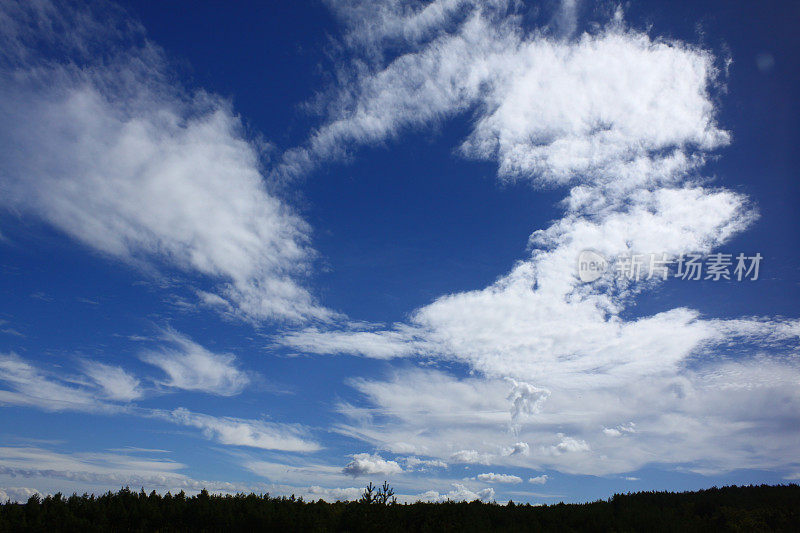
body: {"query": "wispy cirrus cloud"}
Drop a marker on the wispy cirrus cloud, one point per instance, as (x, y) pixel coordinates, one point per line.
(107, 389)
(190, 366)
(244, 432)
(116, 383)
(101, 144)
(32, 387)
(33, 461)
(101, 471)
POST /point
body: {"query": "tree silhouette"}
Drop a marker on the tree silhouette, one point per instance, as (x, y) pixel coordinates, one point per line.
(749, 508)
(386, 492)
(368, 496)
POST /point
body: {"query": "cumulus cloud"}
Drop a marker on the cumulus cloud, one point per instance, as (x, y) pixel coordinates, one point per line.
(538, 480)
(469, 456)
(570, 444)
(190, 366)
(17, 494)
(491, 477)
(100, 143)
(526, 398)
(364, 464)
(519, 448)
(459, 493)
(334, 494)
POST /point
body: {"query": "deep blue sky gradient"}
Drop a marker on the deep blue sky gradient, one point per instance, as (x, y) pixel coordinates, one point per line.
(400, 225)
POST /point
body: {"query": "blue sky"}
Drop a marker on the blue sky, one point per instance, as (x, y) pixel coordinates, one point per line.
(297, 248)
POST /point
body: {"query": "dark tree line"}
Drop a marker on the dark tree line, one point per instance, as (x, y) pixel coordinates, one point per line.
(752, 508)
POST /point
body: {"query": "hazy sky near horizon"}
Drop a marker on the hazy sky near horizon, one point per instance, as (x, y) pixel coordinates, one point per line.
(295, 248)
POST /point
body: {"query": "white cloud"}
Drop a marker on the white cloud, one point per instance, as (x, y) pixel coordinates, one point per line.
(17, 494)
(30, 386)
(364, 464)
(415, 463)
(538, 480)
(526, 398)
(372, 24)
(116, 383)
(333, 494)
(189, 366)
(548, 109)
(715, 417)
(469, 457)
(620, 430)
(491, 477)
(111, 152)
(559, 113)
(33, 387)
(519, 448)
(32, 461)
(243, 432)
(377, 345)
(626, 120)
(569, 444)
(297, 472)
(566, 20)
(459, 493)
(48, 471)
(314, 480)
(98, 472)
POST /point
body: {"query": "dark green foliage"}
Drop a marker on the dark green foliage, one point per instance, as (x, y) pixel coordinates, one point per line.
(764, 508)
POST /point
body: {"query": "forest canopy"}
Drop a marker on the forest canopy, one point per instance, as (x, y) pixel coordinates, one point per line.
(746, 508)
